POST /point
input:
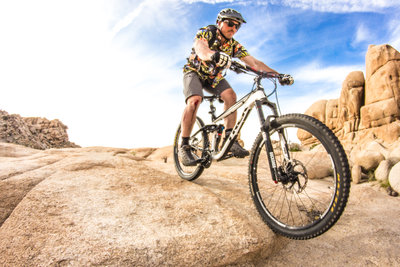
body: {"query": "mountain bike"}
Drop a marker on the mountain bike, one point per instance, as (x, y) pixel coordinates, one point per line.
(298, 171)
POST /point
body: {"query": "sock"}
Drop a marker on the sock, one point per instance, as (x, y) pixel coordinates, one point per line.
(185, 141)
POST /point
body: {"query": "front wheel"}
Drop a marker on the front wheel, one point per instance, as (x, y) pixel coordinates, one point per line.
(197, 141)
(313, 182)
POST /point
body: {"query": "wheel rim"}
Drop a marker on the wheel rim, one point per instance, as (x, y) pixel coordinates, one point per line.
(292, 204)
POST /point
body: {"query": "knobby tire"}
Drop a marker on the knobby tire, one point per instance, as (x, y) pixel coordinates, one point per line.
(309, 207)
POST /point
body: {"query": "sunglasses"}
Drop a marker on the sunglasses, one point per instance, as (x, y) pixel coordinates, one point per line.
(230, 23)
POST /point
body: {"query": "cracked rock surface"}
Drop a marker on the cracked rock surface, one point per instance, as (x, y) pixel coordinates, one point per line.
(127, 207)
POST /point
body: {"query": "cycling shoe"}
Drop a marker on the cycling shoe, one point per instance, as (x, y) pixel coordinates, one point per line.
(238, 151)
(186, 156)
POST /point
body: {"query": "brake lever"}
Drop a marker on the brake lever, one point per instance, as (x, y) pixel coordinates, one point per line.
(237, 67)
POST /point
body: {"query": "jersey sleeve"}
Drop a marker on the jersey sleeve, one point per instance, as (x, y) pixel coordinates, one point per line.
(203, 34)
(240, 51)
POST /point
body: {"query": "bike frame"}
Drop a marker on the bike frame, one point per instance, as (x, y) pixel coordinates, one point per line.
(258, 98)
(248, 102)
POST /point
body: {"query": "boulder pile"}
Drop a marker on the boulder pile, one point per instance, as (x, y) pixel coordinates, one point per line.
(366, 116)
(38, 133)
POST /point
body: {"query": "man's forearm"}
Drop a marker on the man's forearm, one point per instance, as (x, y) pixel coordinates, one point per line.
(202, 50)
(257, 64)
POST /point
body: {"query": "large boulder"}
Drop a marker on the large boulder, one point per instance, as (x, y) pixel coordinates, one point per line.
(350, 101)
(368, 160)
(356, 174)
(382, 88)
(395, 151)
(389, 133)
(331, 114)
(383, 170)
(317, 110)
(104, 207)
(379, 113)
(384, 83)
(394, 177)
(377, 56)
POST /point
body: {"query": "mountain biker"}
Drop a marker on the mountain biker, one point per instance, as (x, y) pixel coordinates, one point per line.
(211, 53)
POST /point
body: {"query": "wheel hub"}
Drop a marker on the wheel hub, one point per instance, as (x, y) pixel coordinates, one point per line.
(293, 176)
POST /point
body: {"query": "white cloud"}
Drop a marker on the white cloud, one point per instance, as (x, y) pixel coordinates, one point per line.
(208, 1)
(341, 6)
(129, 19)
(363, 34)
(394, 28)
(317, 73)
(337, 6)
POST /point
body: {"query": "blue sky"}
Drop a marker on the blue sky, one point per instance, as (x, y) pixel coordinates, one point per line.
(111, 70)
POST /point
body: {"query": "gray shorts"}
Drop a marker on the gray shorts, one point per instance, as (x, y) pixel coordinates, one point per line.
(193, 85)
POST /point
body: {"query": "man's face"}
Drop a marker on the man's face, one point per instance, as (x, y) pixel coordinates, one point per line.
(229, 27)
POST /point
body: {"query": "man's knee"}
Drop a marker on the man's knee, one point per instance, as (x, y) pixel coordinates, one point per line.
(229, 96)
(194, 101)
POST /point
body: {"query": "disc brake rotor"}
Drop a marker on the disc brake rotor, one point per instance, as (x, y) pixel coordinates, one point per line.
(297, 176)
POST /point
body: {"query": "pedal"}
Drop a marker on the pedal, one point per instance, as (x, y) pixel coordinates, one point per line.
(205, 161)
(227, 156)
(240, 157)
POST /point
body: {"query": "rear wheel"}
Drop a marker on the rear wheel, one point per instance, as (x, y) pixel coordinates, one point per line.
(312, 188)
(197, 142)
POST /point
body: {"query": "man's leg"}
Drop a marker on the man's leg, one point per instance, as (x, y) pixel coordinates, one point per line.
(189, 114)
(187, 123)
(229, 98)
(193, 91)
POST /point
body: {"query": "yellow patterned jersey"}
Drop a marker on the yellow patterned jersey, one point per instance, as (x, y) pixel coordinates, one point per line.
(207, 69)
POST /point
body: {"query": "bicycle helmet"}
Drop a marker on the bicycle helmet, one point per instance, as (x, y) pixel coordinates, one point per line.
(229, 13)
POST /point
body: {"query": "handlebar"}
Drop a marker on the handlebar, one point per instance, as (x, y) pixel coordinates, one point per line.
(241, 68)
(238, 67)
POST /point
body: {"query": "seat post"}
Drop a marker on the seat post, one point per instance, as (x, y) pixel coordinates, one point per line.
(212, 109)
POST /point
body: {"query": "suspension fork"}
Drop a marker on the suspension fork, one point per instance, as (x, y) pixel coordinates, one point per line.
(265, 129)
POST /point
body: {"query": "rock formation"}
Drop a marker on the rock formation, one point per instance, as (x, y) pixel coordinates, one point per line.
(368, 110)
(103, 206)
(350, 101)
(382, 92)
(39, 133)
(114, 207)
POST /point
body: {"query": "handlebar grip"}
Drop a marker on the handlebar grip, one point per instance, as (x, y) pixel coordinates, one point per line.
(285, 79)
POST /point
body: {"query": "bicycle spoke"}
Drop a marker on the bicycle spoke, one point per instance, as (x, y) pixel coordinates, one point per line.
(306, 181)
(299, 209)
